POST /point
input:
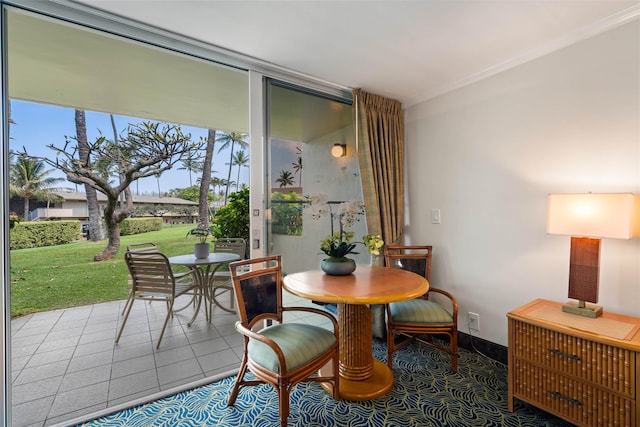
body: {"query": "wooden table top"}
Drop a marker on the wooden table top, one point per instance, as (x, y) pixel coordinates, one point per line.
(367, 285)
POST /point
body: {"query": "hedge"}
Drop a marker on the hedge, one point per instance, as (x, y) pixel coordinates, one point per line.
(43, 233)
(139, 225)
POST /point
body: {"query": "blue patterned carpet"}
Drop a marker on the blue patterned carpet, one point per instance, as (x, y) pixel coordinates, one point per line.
(425, 393)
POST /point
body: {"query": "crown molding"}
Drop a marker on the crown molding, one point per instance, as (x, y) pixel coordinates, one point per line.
(586, 32)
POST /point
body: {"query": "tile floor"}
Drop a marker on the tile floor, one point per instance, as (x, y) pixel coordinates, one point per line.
(65, 363)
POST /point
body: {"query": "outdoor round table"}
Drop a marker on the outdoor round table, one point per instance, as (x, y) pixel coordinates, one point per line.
(203, 270)
(361, 376)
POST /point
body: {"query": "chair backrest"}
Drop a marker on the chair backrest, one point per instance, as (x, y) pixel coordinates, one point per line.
(150, 272)
(416, 259)
(257, 283)
(142, 247)
(234, 245)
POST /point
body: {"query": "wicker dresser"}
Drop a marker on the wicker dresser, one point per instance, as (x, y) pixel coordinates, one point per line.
(580, 369)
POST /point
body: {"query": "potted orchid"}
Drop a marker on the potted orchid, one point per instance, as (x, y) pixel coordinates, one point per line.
(339, 243)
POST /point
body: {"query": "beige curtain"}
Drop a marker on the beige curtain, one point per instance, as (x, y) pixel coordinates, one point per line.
(380, 142)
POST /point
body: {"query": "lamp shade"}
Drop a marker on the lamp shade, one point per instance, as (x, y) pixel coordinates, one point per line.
(611, 215)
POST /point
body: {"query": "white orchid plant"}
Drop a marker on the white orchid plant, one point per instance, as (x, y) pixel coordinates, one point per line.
(339, 244)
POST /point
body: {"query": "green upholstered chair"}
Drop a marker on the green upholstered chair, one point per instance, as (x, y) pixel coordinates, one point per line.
(416, 318)
(281, 354)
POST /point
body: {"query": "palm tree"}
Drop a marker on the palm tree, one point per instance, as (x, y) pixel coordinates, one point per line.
(30, 180)
(297, 169)
(230, 139)
(285, 179)
(205, 181)
(191, 164)
(240, 159)
(95, 233)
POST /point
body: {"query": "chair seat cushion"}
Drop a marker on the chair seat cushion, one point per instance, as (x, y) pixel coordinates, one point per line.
(419, 311)
(300, 343)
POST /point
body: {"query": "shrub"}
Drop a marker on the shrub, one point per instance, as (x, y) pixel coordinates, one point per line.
(232, 220)
(286, 213)
(43, 233)
(139, 225)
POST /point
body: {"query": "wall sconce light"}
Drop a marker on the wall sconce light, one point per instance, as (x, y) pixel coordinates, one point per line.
(587, 218)
(339, 150)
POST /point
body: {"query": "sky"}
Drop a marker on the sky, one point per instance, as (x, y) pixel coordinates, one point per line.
(38, 125)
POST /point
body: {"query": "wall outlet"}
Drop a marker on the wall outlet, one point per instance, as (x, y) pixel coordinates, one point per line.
(474, 321)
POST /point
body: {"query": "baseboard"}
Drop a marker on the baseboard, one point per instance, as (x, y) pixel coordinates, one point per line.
(490, 349)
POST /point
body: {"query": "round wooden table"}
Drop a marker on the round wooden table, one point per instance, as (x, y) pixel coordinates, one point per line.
(361, 376)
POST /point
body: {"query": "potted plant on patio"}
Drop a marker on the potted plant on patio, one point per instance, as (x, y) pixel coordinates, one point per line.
(202, 249)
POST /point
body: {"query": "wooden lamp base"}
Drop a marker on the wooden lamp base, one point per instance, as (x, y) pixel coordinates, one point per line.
(582, 309)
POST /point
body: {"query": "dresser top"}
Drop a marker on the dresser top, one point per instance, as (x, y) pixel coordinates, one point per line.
(616, 329)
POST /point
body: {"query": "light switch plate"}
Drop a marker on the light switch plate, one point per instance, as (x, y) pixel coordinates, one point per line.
(435, 216)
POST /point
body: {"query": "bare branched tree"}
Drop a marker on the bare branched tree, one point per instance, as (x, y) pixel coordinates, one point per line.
(146, 149)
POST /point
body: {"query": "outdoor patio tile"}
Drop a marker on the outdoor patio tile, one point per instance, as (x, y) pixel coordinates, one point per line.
(35, 390)
(209, 346)
(185, 368)
(132, 366)
(65, 333)
(27, 340)
(173, 355)
(131, 384)
(234, 340)
(85, 377)
(182, 382)
(95, 336)
(100, 326)
(90, 361)
(31, 413)
(223, 370)
(61, 420)
(133, 337)
(78, 313)
(17, 363)
(41, 372)
(132, 351)
(42, 358)
(62, 326)
(58, 344)
(218, 360)
(171, 341)
(26, 332)
(74, 400)
(228, 329)
(24, 350)
(94, 347)
(126, 399)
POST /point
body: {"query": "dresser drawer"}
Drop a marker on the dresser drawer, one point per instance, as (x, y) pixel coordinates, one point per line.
(610, 367)
(574, 400)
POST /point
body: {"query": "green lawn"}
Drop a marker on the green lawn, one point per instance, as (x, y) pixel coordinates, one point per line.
(63, 276)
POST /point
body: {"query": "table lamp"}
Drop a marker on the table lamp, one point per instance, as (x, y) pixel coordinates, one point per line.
(587, 218)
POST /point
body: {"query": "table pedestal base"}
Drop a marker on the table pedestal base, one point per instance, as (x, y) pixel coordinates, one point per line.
(377, 385)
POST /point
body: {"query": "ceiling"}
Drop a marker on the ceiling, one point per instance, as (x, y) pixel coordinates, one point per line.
(407, 50)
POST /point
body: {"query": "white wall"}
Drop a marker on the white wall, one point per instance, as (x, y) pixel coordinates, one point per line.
(488, 154)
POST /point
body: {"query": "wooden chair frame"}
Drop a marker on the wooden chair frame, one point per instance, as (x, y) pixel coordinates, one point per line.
(242, 272)
(413, 331)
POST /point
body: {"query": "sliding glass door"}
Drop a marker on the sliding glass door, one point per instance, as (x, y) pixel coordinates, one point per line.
(302, 129)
